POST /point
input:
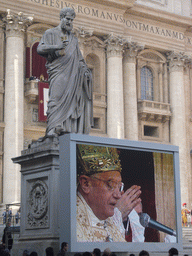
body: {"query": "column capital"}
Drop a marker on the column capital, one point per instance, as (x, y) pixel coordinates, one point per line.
(176, 61)
(81, 32)
(16, 24)
(130, 51)
(115, 45)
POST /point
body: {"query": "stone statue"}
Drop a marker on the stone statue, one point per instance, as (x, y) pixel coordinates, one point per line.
(70, 81)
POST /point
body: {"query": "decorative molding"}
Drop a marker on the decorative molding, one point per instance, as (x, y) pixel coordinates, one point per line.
(158, 2)
(131, 50)
(94, 43)
(115, 45)
(16, 24)
(153, 111)
(31, 91)
(124, 4)
(82, 32)
(176, 61)
(37, 215)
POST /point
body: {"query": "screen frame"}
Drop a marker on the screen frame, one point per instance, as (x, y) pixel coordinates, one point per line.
(67, 204)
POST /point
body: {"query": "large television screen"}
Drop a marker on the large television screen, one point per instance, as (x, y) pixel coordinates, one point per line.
(122, 192)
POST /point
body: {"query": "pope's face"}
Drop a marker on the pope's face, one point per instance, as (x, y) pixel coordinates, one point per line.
(104, 193)
(67, 23)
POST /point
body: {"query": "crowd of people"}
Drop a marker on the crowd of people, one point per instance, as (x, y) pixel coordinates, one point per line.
(49, 251)
(9, 217)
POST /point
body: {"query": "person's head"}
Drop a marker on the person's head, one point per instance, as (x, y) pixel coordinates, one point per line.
(99, 178)
(86, 254)
(67, 16)
(113, 254)
(143, 253)
(25, 253)
(184, 205)
(49, 251)
(64, 246)
(78, 254)
(107, 251)
(33, 253)
(173, 251)
(97, 252)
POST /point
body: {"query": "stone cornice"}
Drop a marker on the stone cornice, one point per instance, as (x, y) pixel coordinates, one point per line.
(160, 15)
(124, 4)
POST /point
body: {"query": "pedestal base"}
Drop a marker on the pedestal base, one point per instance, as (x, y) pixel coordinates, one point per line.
(39, 227)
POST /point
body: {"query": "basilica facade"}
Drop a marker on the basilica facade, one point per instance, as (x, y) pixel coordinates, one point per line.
(140, 54)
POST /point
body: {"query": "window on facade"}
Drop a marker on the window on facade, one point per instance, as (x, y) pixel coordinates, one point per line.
(151, 131)
(96, 123)
(146, 84)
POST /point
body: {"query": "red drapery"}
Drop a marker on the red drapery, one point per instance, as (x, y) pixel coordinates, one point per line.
(38, 64)
(43, 91)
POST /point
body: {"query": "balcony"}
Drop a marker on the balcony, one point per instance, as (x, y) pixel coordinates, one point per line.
(31, 90)
(153, 111)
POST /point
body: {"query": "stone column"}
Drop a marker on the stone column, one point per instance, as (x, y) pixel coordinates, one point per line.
(115, 109)
(130, 92)
(14, 95)
(160, 73)
(178, 122)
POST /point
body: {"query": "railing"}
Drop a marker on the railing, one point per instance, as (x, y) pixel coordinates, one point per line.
(154, 105)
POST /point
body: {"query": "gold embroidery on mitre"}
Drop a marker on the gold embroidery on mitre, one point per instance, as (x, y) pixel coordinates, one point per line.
(95, 159)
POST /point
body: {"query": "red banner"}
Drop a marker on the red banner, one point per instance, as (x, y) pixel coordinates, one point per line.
(43, 100)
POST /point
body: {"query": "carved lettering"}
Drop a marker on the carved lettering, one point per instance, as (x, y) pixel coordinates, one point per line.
(109, 15)
(151, 29)
(95, 13)
(45, 2)
(168, 33)
(145, 27)
(157, 30)
(52, 3)
(121, 19)
(100, 14)
(134, 24)
(87, 10)
(57, 3)
(175, 34)
(80, 9)
(116, 16)
(128, 23)
(163, 32)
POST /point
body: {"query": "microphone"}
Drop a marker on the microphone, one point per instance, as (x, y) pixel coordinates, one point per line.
(146, 221)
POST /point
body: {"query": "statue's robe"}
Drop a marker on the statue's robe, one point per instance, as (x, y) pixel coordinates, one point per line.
(70, 85)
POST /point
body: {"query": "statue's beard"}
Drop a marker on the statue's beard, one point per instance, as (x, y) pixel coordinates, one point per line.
(66, 27)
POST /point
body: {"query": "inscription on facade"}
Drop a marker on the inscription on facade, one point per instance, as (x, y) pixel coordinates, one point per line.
(115, 17)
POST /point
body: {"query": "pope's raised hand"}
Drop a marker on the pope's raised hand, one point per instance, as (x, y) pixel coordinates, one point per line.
(129, 200)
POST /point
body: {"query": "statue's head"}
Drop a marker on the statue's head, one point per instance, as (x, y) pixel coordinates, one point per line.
(67, 11)
(67, 16)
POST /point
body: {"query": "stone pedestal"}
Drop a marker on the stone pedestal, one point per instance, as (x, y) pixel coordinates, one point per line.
(39, 197)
